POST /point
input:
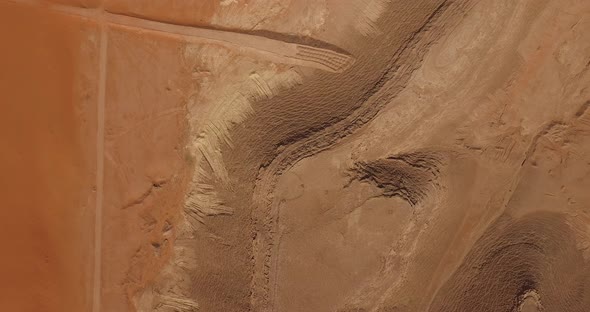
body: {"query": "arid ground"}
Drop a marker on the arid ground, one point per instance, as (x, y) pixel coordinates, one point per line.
(295, 155)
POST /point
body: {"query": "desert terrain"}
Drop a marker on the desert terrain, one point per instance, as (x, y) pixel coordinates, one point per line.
(295, 155)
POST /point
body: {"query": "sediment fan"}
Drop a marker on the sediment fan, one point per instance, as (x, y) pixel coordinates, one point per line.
(526, 264)
(409, 176)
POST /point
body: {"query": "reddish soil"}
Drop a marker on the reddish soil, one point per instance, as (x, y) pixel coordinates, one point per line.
(278, 156)
(47, 164)
(145, 162)
(192, 12)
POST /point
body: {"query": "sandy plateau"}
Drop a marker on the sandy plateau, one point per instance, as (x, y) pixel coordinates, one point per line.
(295, 155)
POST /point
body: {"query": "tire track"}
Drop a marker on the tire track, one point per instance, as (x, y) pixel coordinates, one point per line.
(390, 80)
(286, 50)
(102, 72)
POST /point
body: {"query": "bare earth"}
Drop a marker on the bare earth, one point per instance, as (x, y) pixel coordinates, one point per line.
(295, 155)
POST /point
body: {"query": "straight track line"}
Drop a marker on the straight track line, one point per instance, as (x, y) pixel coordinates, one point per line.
(278, 51)
(102, 72)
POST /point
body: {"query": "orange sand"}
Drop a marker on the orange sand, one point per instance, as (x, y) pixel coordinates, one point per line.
(46, 168)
